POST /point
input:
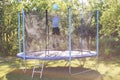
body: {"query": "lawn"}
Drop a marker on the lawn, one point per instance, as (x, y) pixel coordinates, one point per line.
(108, 69)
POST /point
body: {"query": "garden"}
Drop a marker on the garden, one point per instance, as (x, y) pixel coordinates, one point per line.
(86, 26)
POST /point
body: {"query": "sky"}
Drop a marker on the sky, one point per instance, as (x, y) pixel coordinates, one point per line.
(84, 1)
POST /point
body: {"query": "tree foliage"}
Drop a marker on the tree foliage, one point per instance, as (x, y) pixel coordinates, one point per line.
(110, 26)
(109, 19)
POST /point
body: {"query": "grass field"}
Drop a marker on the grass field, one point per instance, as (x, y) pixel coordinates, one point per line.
(108, 69)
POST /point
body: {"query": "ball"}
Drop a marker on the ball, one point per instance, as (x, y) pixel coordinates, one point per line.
(55, 6)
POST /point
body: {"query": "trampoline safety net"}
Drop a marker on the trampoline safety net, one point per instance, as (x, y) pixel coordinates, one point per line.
(39, 37)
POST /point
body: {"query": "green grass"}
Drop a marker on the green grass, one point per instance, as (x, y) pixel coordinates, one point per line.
(108, 69)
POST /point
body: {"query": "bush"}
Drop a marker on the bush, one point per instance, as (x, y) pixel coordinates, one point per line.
(109, 46)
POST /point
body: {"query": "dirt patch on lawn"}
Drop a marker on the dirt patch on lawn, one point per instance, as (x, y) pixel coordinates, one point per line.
(62, 73)
(77, 73)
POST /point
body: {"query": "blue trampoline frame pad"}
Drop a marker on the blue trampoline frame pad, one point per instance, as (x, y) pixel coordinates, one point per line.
(56, 55)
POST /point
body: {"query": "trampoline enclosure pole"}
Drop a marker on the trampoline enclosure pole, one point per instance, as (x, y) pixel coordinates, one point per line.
(69, 32)
(97, 35)
(23, 37)
(19, 42)
(47, 30)
(23, 32)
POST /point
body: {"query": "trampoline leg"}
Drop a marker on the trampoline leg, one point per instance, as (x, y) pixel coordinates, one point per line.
(70, 66)
(69, 69)
(41, 69)
(96, 67)
(25, 65)
(87, 70)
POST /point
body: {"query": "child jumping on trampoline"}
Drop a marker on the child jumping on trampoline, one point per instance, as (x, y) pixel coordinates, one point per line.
(55, 30)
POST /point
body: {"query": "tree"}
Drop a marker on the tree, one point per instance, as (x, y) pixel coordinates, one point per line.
(110, 18)
(110, 26)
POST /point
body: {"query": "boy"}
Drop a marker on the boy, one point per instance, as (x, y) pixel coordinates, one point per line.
(55, 29)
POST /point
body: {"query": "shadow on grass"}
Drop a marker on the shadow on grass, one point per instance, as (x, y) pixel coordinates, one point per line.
(110, 60)
(54, 73)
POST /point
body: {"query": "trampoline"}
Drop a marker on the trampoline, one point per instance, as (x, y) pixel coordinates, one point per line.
(56, 55)
(32, 38)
